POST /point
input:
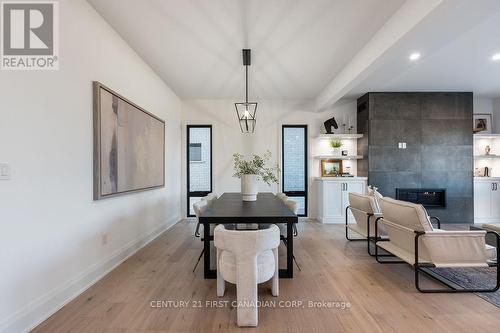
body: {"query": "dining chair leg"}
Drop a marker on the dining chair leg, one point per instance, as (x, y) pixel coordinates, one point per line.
(199, 258)
(296, 263)
(293, 255)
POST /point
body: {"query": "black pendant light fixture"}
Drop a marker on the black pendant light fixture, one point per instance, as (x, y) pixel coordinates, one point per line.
(246, 111)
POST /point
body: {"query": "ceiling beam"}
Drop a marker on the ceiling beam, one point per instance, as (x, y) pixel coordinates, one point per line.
(406, 18)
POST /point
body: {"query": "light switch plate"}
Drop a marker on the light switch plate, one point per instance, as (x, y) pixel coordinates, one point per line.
(4, 171)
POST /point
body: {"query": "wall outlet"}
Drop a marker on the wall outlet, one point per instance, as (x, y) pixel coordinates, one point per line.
(104, 239)
(5, 172)
(402, 145)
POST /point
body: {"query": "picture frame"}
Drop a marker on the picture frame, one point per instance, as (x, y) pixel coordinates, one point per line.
(129, 146)
(481, 123)
(331, 168)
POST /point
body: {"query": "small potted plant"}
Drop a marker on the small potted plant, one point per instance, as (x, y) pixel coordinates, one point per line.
(251, 171)
(335, 144)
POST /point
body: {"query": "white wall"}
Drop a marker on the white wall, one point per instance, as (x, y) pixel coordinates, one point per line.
(50, 229)
(271, 114)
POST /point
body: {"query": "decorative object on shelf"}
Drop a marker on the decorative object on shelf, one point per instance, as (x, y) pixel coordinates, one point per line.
(329, 124)
(482, 123)
(250, 172)
(344, 153)
(486, 172)
(487, 150)
(477, 172)
(347, 171)
(331, 168)
(246, 111)
(350, 125)
(335, 144)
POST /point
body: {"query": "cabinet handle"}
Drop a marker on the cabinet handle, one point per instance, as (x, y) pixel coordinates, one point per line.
(492, 186)
(346, 186)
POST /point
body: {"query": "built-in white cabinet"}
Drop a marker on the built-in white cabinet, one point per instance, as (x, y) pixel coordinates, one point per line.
(333, 197)
(486, 200)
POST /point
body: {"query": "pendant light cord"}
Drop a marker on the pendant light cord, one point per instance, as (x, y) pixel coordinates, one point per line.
(246, 84)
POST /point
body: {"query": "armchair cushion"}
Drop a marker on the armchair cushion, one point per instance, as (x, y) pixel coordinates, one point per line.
(406, 214)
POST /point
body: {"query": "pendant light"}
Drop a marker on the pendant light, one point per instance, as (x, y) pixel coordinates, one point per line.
(246, 111)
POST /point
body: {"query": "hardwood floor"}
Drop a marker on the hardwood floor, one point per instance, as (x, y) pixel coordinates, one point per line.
(382, 298)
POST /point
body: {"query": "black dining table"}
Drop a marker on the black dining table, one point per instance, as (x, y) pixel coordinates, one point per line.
(229, 208)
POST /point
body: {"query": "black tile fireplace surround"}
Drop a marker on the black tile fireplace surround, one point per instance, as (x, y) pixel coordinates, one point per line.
(428, 197)
(437, 130)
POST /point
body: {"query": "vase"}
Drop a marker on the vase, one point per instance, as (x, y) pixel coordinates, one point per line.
(249, 187)
(336, 151)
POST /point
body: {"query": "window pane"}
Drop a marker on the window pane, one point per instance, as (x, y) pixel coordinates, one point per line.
(199, 159)
(294, 159)
(195, 152)
(302, 204)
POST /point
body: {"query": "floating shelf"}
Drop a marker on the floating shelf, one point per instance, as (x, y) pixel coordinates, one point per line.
(487, 136)
(479, 157)
(336, 157)
(340, 136)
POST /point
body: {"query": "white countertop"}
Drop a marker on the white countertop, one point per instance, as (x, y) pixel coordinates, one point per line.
(486, 179)
(340, 179)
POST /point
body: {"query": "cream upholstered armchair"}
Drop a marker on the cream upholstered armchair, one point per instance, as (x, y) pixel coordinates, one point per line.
(365, 210)
(413, 239)
(247, 258)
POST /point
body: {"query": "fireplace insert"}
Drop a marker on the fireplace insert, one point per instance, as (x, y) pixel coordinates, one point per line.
(428, 197)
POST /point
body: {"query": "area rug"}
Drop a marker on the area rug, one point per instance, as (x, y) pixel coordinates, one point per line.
(473, 278)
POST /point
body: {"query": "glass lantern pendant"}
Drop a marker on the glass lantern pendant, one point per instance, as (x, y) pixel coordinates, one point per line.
(246, 110)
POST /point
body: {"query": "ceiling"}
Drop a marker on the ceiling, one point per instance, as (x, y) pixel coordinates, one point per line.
(329, 51)
(297, 46)
(456, 48)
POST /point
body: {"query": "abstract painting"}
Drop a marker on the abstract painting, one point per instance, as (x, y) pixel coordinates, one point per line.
(129, 146)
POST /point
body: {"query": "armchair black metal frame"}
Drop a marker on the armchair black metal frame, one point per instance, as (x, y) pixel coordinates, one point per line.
(423, 267)
(368, 239)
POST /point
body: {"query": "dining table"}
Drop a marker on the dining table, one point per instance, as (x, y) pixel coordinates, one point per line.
(229, 208)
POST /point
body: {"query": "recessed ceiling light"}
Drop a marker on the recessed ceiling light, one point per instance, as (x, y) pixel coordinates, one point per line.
(496, 57)
(414, 56)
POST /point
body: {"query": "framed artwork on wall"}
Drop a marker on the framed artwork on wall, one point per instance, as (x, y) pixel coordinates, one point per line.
(331, 168)
(482, 123)
(129, 146)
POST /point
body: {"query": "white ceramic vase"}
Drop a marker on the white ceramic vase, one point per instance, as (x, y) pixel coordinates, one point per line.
(336, 152)
(249, 187)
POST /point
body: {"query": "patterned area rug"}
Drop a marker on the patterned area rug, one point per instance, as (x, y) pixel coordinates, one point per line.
(473, 278)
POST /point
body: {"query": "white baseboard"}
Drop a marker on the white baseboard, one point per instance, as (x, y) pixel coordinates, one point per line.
(45, 306)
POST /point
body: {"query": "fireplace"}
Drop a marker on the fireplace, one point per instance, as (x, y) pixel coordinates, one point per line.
(429, 197)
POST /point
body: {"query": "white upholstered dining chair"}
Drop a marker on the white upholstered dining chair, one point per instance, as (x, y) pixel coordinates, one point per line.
(247, 258)
(199, 207)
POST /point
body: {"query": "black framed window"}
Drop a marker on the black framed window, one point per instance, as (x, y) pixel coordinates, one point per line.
(199, 164)
(294, 164)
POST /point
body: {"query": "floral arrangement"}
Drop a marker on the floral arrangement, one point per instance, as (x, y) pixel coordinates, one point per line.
(335, 143)
(258, 165)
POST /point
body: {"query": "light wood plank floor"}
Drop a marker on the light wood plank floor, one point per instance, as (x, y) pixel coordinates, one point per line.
(382, 297)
